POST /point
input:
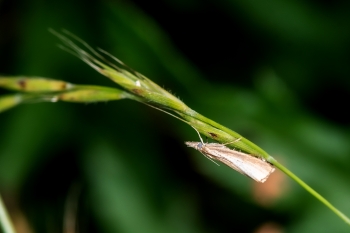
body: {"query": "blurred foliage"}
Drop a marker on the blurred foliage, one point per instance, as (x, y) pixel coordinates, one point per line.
(276, 72)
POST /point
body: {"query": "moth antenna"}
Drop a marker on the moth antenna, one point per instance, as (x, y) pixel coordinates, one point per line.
(179, 119)
(168, 113)
(199, 135)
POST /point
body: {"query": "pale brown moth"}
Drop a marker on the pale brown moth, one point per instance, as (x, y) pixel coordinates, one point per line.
(253, 167)
(246, 164)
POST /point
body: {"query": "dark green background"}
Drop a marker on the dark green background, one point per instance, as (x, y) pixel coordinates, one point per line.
(275, 71)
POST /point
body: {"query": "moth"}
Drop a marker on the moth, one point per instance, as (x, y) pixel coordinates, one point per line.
(253, 167)
(245, 164)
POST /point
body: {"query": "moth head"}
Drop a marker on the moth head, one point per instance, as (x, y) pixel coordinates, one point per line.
(195, 145)
(199, 146)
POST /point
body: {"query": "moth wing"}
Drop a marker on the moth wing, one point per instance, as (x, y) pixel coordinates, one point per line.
(245, 164)
(255, 168)
(248, 165)
(223, 154)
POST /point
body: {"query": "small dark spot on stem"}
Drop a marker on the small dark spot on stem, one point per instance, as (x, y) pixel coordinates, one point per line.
(22, 83)
(64, 86)
(137, 91)
(213, 135)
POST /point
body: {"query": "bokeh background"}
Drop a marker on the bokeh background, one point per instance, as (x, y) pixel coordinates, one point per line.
(276, 72)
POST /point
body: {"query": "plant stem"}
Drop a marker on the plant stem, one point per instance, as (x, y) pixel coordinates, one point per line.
(5, 221)
(310, 190)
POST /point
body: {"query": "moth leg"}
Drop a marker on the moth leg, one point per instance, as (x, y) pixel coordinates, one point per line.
(209, 158)
(238, 139)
